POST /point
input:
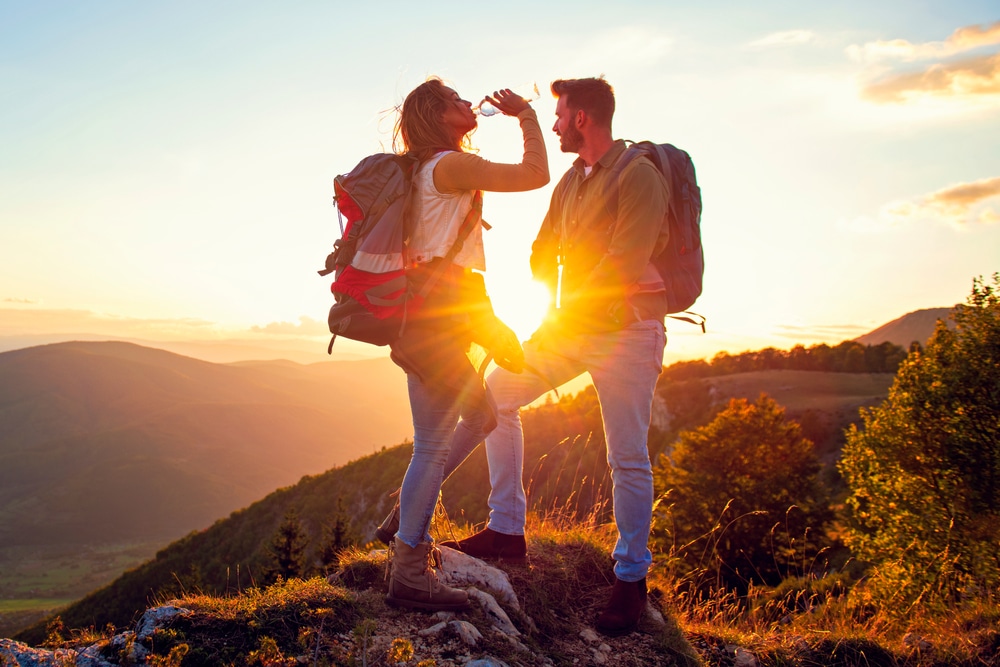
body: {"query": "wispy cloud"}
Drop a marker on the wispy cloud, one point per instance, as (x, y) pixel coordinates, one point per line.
(820, 332)
(890, 78)
(29, 321)
(784, 38)
(306, 326)
(960, 202)
(21, 301)
(966, 78)
(963, 39)
(959, 205)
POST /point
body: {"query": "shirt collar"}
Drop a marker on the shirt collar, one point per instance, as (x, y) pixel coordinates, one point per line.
(608, 159)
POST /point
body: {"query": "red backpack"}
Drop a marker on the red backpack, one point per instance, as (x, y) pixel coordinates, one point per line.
(371, 290)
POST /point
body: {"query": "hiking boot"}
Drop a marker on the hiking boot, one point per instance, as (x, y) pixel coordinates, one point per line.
(414, 583)
(621, 616)
(386, 531)
(491, 545)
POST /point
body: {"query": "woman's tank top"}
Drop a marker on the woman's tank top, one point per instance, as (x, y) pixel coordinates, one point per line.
(437, 217)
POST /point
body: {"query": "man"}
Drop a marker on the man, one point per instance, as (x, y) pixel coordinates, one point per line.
(608, 320)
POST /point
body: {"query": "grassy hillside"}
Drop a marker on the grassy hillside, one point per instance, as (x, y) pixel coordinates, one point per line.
(809, 623)
(565, 472)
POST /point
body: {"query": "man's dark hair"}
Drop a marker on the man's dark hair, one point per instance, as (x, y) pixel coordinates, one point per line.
(595, 96)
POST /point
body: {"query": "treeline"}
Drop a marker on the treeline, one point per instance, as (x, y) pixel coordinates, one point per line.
(847, 357)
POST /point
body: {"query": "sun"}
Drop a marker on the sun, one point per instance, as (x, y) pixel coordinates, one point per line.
(520, 304)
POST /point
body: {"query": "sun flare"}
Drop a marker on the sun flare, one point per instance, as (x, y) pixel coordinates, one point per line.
(521, 305)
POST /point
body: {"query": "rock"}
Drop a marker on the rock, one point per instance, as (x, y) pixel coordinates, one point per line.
(488, 661)
(589, 635)
(91, 657)
(462, 570)
(466, 631)
(743, 658)
(494, 612)
(654, 615)
(125, 644)
(157, 617)
(433, 630)
(27, 656)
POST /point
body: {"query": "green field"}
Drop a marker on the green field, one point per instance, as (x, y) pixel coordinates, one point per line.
(35, 581)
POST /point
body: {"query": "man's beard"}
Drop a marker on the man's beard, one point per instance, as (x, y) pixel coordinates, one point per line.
(571, 140)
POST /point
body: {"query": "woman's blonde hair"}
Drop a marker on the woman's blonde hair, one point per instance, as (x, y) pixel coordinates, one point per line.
(420, 130)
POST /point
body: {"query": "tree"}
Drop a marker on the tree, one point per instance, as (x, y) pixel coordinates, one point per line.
(287, 547)
(335, 537)
(744, 491)
(924, 471)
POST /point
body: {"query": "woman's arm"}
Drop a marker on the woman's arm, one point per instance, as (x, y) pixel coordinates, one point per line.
(467, 171)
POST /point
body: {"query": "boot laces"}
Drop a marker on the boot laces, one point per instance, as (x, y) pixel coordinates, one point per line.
(433, 565)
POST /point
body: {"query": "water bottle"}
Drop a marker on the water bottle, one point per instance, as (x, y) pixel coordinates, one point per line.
(527, 91)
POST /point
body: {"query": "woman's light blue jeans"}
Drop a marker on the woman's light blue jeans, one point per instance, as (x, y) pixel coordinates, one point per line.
(624, 365)
(436, 410)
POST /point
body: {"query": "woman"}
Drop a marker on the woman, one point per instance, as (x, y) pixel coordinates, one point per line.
(434, 127)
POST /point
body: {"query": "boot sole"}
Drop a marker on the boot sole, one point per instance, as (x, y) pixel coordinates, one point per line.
(616, 632)
(513, 560)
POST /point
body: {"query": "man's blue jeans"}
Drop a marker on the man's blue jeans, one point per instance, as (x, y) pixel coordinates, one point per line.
(624, 365)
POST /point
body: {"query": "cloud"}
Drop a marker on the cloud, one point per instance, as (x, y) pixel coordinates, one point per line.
(306, 327)
(963, 39)
(820, 332)
(972, 77)
(26, 302)
(32, 321)
(967, 202)
(969, 82)
(785, 38)
(632, 45)
(958, 205)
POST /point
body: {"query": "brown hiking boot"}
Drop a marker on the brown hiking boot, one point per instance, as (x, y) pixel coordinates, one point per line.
(491, 545)
(386, 531)
(621, 616)
(414, 583)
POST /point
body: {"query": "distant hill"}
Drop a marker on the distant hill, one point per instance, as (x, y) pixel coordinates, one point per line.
(111, 441)
(916, 326)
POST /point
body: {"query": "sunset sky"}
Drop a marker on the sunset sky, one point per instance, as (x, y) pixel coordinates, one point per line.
(166, 167)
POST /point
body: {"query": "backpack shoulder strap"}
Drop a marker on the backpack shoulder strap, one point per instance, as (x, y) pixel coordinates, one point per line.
(472, 218)
(655, 153)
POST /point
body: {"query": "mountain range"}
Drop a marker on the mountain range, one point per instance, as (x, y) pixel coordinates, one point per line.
(150, 445)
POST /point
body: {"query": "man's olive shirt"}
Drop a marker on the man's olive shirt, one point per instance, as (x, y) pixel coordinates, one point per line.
(607, 281)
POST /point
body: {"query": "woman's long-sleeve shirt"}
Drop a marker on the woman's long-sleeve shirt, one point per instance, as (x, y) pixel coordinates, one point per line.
(445, 186)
